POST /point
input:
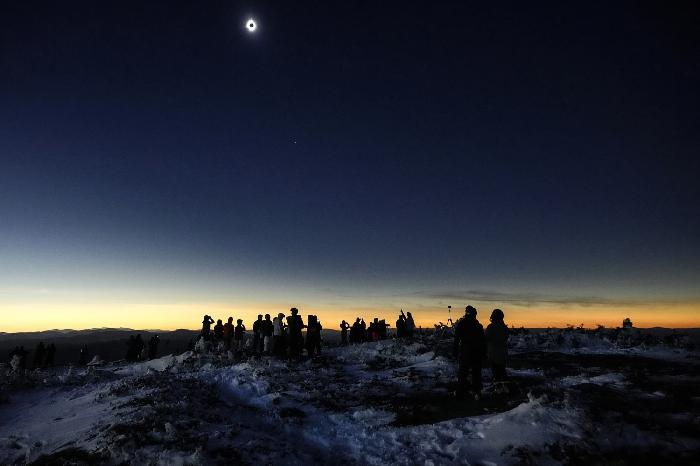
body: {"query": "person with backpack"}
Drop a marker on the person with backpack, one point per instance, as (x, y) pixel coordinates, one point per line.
(497, 345)
(469, 348)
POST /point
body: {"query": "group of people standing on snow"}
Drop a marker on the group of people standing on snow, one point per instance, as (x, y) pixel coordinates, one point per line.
(472, 345)
(359, 332)
(281, 336)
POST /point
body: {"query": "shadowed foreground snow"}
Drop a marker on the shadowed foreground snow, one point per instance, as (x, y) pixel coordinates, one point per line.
(376, 403)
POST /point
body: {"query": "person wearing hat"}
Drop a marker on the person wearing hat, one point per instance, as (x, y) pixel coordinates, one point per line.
(469, 349)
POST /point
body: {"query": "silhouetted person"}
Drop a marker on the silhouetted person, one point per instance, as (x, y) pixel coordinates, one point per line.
(219, 331)
(373, 330)
(313, 336)
(295, 325)
(497, 344)
(153, 347)
(206, 327)
(239, 335)
(84, 356)
(401, 326)
(344, 326)
(50, 355)
(279, 343)
(140, 345)
(355, 331)
(228, 332)
(363, 331)
(469, 347)
(381, 329)
(39, 354)
(410, 325)
(257, 334)
(267, 331)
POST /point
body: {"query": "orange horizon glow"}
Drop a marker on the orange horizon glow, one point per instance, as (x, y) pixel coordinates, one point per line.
(19, 317)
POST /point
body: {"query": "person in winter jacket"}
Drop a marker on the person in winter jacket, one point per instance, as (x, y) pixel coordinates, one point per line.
(313, 336)
(355, 332)
(497, 344)
(228, 333)
(257, 334)
(469, 348)
(239, 335)
(295, 325)
(219, 331)
(410, 325)
(267, 331)
(279, 342)
(401, 326)
(344, 326)
(206, 327)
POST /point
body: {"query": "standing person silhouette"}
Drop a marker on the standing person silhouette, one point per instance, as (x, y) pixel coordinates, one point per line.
(206, 327)
(469, 348)
(279, 343)
(344, 326)
(267, 331)
(219, 330)
(497, 345)
(239, 336)
(401, 326)
(257, 334)
(296, 341)
(410, 325)
(228, 333)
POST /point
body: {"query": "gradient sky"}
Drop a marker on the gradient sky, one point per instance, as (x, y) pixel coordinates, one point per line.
(349, 158)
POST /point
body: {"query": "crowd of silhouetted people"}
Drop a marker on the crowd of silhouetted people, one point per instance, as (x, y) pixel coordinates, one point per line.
(283, 337)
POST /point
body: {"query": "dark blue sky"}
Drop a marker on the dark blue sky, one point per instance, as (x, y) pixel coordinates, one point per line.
(352, 147)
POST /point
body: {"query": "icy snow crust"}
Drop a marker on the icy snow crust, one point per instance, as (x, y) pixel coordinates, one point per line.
(377, 403)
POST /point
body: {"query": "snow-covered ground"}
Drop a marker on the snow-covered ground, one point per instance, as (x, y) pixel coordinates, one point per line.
(388, 402)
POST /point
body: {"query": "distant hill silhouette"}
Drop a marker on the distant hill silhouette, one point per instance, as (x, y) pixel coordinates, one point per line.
(109, 343)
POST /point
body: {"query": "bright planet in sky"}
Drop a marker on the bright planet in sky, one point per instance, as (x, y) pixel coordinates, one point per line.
(250, 25)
